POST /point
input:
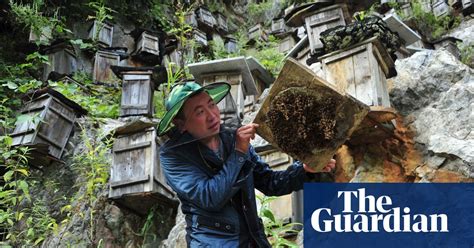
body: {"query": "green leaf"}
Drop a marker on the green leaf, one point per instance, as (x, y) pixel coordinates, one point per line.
(23, 185)
(22, 171)
(24, 118)
(11, 85)
(8, 176)
(267, 213)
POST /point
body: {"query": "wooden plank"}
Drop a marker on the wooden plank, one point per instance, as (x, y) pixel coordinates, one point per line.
(122, 183)
(132, 147)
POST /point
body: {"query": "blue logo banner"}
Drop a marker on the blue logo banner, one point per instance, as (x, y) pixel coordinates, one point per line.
(389, 215)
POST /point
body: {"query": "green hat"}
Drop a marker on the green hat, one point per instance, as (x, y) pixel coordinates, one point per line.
(181, 92)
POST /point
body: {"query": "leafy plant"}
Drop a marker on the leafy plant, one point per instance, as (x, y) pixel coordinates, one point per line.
(42, 26)
(467, 53)
(102, 14)
(430, 25)
(275, 228)
(268, 55)
(98, 100)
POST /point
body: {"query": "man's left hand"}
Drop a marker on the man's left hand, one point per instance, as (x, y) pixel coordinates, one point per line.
(328, 168)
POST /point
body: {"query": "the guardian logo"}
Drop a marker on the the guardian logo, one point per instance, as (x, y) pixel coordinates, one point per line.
(374, 215)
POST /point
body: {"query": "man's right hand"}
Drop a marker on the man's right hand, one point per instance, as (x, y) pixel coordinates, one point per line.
(244, 135)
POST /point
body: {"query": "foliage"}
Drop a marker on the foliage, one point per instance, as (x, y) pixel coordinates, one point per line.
(98, 100)
(274, 227)
(102, 14)
(268, 55)
(92, 166)
(432, 26)
(258, 12)
(182, 29)
(26, 219)
(174, 75)
(42, 26)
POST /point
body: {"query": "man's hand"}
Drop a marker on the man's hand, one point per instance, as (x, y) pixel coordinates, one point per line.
(328, 168)
(243, 136)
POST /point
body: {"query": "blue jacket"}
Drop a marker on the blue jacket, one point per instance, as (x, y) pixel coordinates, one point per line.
(218, 196)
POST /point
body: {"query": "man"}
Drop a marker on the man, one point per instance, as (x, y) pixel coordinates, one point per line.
(214, 171)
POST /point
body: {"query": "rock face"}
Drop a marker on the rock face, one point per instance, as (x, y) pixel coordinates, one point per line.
(435, 92)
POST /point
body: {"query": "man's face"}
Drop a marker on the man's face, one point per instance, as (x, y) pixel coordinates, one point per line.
(202, 116)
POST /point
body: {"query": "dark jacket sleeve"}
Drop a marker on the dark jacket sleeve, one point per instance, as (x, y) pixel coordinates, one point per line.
(194, 185)
(276, 183)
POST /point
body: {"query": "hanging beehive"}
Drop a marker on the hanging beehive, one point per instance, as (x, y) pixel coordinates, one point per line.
(62, 59)
(102, 66)
(306, 117)
(102, 32)
(52, 118)
(136, 179)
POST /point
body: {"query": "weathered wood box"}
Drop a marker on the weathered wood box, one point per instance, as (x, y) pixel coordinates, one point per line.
(102, 32)
(62, 59)
(257, 33)
(102, 63)
(205, 18)
(148, 43)
(323, 19)
(306, 117)
(221, 22)
(278, 26)
(46, 34)
(137, 93)
(191, 19)
(200, 37)
(440, 8)
(361, 71)
(52, 123)
(230, 45)
(286, 44)
(136, 179)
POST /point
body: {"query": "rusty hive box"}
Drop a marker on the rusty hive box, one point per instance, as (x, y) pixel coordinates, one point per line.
(221, 20)
(278, 26)
(136, 171)
(148, 43)
(306, 117)
(205, 17)
(137, 94)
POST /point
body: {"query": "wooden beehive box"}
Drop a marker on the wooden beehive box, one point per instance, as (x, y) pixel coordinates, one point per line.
(191, 19)
(221, 21)
(230, 45)
(137, 94)
(55, 118)
(323, 19)
(136, 179)
(286, 44)
(303, 55)
(361, 71)
(45, 36)
(278, 26)
(62, 59)
(200, 37)
(102, 63)
(148, 43)
(306, 117)
(440, 8)
(102, 32)
(257, 33)
(205, 18)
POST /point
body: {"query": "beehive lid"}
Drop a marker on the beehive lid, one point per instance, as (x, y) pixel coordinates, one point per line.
(305, 117)
(406, 33)
(236, 64)
(80, 111)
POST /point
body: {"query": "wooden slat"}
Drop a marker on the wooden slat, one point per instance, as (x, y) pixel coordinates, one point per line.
(132, 147)
(30, 130)
(61, 114)
(122, 183)
(52, 142)
(135, 106)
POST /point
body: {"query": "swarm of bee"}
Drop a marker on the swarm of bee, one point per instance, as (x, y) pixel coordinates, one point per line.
(301, 119)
